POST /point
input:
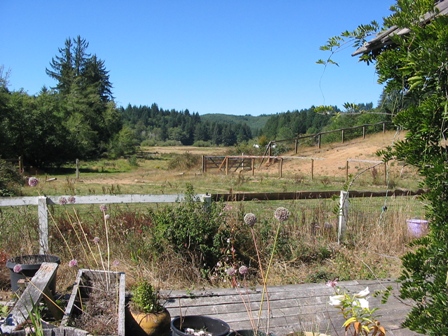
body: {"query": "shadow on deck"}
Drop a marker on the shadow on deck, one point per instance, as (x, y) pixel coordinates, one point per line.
(301, 307)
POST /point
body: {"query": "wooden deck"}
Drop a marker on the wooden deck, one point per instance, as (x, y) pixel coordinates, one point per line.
(301, 307)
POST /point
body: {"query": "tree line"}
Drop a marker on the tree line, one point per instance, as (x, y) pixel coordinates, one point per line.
(78, 118)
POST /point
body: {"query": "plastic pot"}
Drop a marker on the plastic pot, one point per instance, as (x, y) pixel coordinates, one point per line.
(211, 325)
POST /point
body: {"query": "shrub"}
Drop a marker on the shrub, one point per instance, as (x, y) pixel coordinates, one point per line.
(194, 230)
(10, 180)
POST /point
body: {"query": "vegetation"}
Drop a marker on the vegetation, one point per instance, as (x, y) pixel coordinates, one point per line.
(413, 67)
(145, 298)
(190, 244)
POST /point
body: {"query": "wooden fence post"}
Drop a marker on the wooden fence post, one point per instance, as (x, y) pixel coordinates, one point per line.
(296, 146)
(342, 135)
(363, 132)
(227, 165)
(312, 169)
(77, 169)
(42, 214)
(343, 212)
(252, 163)
(280, 167)
(319, 140)
(346, 171)
(20, 165)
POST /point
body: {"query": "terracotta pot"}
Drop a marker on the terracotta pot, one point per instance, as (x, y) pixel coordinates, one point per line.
(154, 323)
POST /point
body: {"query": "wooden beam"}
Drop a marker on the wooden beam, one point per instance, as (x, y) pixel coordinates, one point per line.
(37, 289)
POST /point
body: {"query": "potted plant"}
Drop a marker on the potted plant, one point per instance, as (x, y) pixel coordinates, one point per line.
(149, 314)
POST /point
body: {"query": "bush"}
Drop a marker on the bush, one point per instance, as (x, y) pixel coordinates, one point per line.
(184, 161)
(194, 230)
(10, 180)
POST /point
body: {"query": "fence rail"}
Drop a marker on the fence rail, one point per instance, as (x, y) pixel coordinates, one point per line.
(42, 202)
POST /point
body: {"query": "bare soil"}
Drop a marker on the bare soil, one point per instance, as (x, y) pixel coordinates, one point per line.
(330, 160)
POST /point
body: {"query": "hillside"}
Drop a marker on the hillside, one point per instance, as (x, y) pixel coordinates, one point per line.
(255, 123)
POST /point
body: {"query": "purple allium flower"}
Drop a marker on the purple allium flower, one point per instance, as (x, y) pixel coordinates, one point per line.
(32, 181)
(73, 263)
(103, 207)
(115, 263)
(227, 207)
(332, 283)
(231, 271)
(96, 240)
(250, 219)
(71, 199)
(17, 268)
(243, 270)
(62, 200)
(281, 214)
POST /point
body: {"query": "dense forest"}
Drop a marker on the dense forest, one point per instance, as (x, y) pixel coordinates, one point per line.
(78, 118)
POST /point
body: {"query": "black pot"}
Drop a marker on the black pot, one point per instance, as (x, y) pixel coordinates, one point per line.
(30, 265)
(248, 332)
(211, 325)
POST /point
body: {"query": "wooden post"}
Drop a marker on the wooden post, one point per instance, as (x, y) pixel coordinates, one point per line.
(343, 213)
(312, 169)
(203, 164)
(227, 165)
(363, 132)
(346, 171)
(319, 140)
(20, 165)
(42, 214)
(385, 173)
(77, 169)
(252, 163)
(296, 146)
(281, 167)
(342, 135)
(384, 127)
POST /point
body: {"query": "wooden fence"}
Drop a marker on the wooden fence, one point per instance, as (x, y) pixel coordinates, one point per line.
(42, 202)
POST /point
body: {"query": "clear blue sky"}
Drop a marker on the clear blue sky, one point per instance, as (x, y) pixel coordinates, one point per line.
(230, 56)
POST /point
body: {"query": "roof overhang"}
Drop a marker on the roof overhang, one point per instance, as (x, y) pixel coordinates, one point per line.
(384, 38)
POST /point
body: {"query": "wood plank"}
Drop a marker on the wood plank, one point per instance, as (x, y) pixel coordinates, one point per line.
(292, 307)
(36, 289)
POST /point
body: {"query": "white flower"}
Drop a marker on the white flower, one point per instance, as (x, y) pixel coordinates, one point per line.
(363, 293)
(363, 303)
(336, 300)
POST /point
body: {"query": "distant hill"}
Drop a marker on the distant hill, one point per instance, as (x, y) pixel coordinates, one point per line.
(254, 123)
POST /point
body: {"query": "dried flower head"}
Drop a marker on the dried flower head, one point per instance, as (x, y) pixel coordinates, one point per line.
(71, 199)
(96, 240)
(32, 181)
(62, 200)
(250, 219)
(281, 214)
(73, 263)
(243, 270)
(17, 268)
(106, 217)
(231, 271)
(103, 207)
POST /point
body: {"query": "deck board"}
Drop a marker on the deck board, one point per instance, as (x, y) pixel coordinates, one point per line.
(293, 307)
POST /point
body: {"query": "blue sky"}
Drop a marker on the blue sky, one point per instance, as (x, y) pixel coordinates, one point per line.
(234, 56)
